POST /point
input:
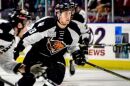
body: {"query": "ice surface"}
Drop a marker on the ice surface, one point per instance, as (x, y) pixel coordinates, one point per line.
(81, 78)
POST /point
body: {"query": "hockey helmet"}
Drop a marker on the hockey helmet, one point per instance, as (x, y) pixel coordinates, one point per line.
(63, 7)
(17, 16)
(73, 4)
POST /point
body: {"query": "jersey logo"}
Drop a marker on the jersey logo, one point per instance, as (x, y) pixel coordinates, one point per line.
(54, 46)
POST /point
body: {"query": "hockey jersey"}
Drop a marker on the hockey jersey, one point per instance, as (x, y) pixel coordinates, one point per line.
(48, 38)
(7, 43)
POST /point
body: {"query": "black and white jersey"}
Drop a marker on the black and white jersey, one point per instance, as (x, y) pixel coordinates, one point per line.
(7, 43)
(80, 16)
(47, 37)
(6, 35)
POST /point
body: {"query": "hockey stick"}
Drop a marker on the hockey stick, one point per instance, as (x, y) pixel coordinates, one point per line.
(111, 45)
(72, 69)
(109, 71)
(7, 82)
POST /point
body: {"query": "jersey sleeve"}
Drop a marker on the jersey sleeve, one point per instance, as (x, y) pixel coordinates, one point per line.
(38, 31)
(35, 34)
(7, 62)
(86, 34)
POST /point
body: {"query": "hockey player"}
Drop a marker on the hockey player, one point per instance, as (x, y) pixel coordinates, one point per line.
(78, 13)
(7, 43)
(51, 38)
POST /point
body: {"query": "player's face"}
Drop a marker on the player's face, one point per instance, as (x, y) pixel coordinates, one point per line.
(65, 17)
(19, 26)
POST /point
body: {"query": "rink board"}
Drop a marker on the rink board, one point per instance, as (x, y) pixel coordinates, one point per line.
(110, 64)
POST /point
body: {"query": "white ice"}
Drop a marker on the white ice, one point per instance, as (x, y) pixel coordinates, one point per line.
(84, 77)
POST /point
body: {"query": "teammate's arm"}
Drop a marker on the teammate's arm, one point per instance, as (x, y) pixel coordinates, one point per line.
(78, 54)
(30, 37)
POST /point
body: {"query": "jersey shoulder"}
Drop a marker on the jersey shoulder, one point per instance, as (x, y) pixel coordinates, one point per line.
(3, 21)
(45, 23)
(74, 26)
(78, 17)
(5, 25)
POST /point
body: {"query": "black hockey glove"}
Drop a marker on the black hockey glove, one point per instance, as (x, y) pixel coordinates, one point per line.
(17, 50)
(79, 57)
(16, 54)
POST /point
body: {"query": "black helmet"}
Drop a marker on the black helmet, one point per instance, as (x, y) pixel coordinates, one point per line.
(17, 16)
(78, 2)
(63, 6)
(73, 4)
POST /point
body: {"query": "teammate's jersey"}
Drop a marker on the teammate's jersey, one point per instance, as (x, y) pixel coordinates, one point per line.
(80, 16)
(48, 38)
(7, 43)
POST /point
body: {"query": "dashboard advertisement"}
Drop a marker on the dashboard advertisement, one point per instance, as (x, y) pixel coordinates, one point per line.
(105, 36)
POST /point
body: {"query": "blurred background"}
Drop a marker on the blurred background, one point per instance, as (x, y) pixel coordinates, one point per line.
(96, 11)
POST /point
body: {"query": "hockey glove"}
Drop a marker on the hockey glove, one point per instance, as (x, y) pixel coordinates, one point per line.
(16, 55)
(79, 57)
(17, 50)
(37, 70)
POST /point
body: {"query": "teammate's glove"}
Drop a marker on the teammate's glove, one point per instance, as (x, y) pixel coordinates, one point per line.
(37, 70)
(79, 57)
(17, 50)
(16, 54)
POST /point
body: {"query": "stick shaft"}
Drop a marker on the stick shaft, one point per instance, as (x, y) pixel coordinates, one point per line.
(109, 71)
